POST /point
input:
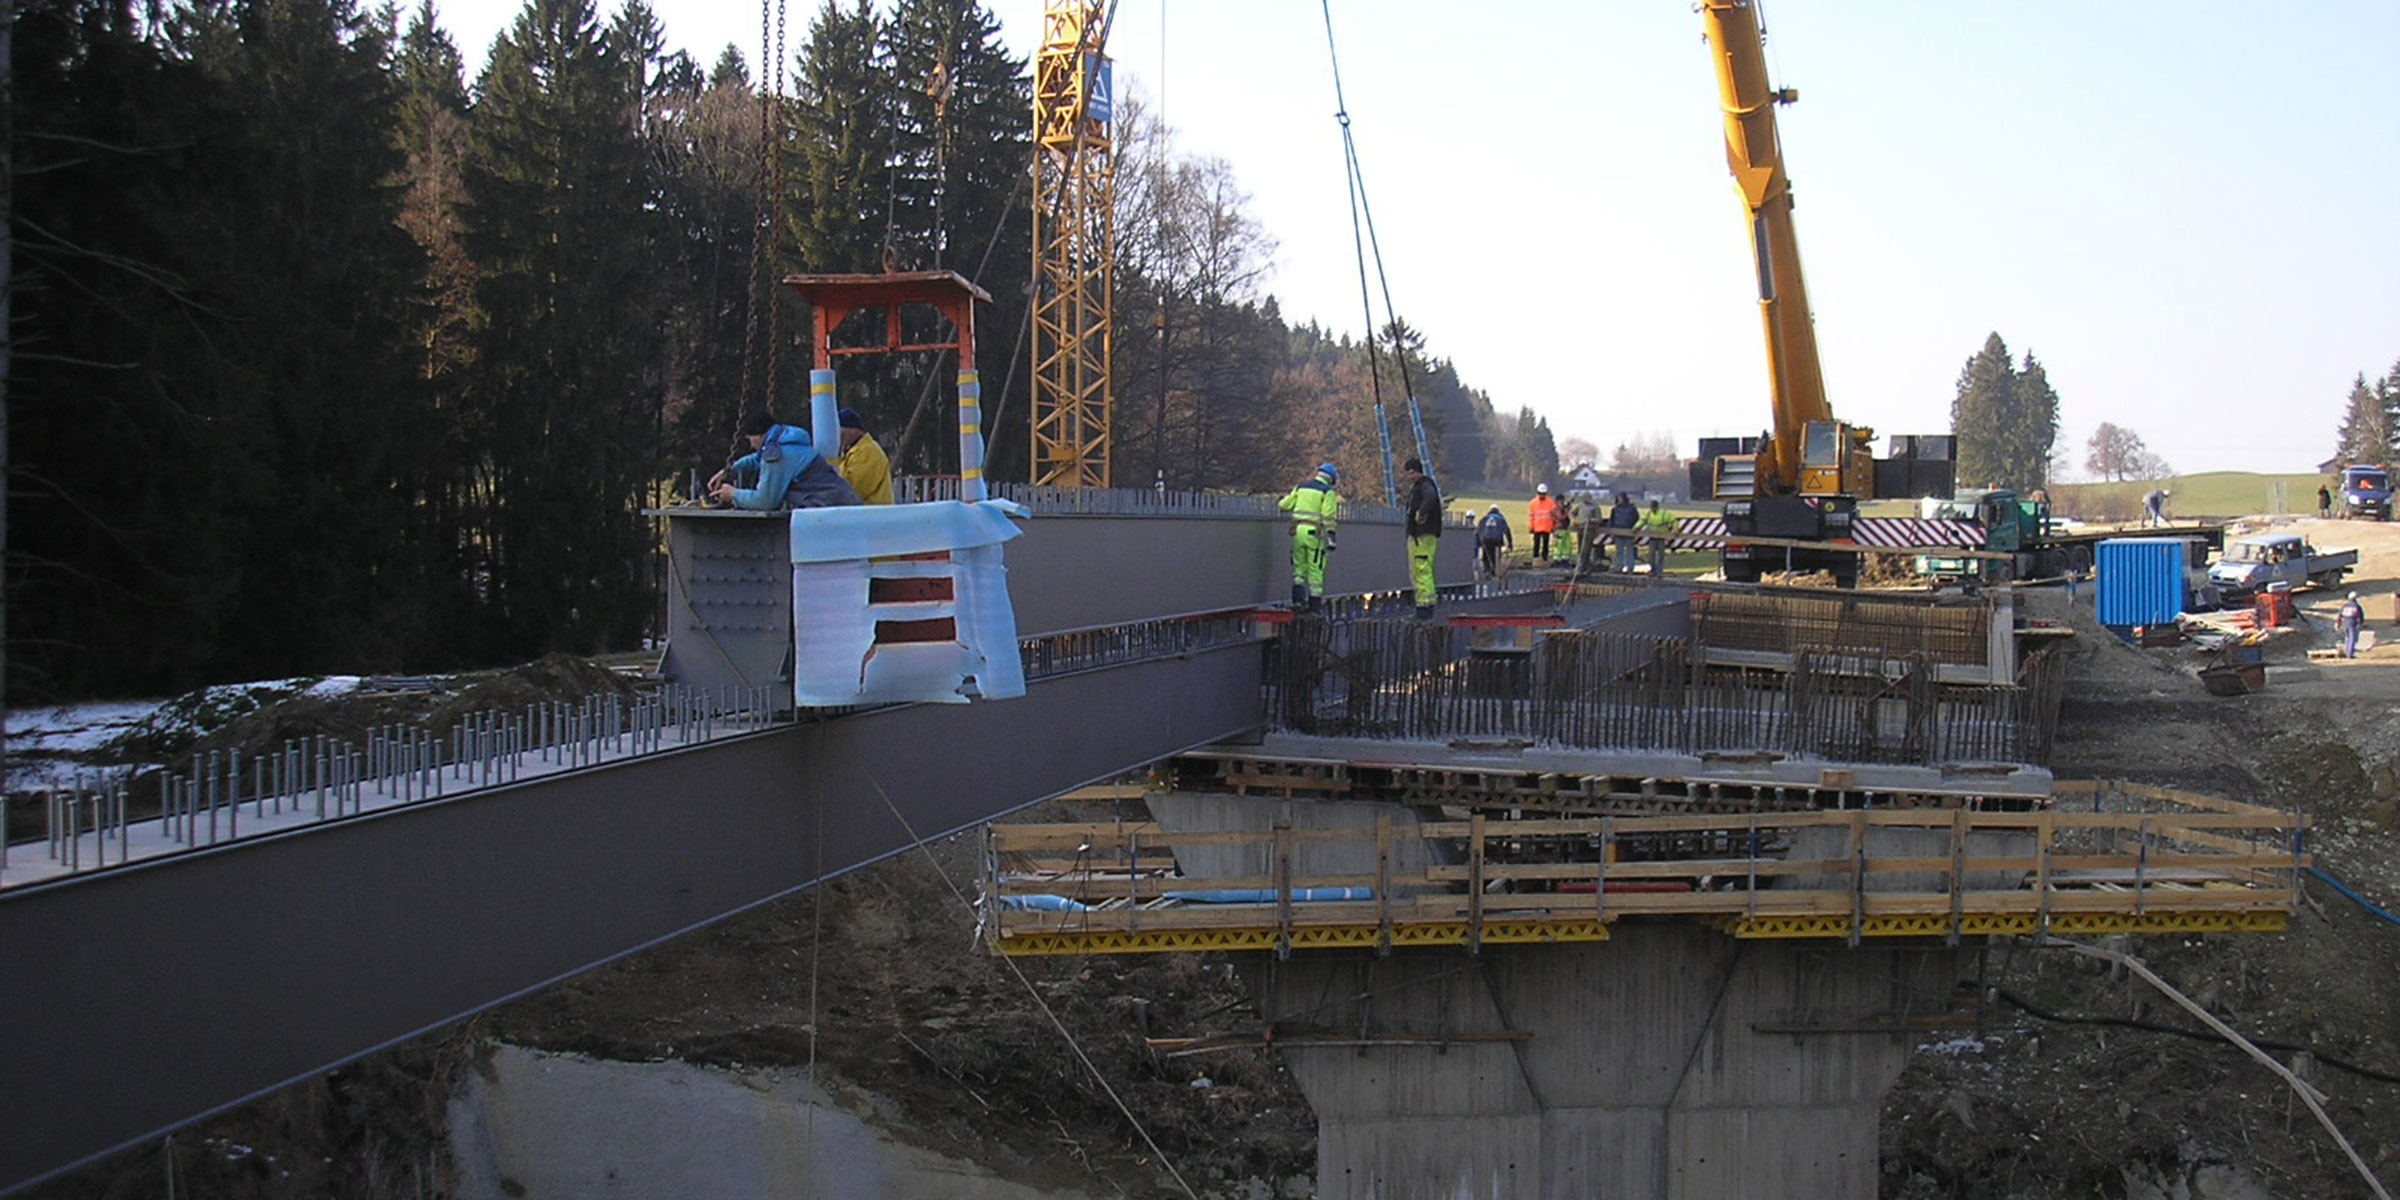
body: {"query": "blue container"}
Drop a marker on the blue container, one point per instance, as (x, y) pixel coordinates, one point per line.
(2140, 581)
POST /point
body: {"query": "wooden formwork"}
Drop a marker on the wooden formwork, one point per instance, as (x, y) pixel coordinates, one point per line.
(2100, 857)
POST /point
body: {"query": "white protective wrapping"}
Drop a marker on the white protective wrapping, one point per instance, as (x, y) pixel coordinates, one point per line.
(836, 660)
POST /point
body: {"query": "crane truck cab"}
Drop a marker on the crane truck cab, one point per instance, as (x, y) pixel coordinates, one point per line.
(2367, 492)
(2003, 518)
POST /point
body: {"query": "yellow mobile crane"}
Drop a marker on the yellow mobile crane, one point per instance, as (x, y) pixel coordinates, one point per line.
(1803, 479)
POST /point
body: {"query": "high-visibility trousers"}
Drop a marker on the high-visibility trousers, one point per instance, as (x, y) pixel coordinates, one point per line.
(1420, 566)
(1308, 559)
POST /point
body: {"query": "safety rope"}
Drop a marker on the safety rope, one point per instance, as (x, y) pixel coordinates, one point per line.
(1362, 240)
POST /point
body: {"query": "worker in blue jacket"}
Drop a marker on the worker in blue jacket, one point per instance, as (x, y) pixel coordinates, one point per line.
(1492, 533)
(791, 474)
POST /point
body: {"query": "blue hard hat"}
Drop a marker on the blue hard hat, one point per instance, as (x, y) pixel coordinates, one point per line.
(1329, 471)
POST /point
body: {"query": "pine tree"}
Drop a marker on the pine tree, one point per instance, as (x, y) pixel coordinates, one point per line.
(706, 148)
(1981, 414)
(564, 381)
(2036, 425)
(2366, 434)
(2006, 420)
(324, 279)
(110, 564)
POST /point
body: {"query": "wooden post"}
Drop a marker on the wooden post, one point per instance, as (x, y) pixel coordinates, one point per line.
(1475, 887)
(1958, 871)
(1283, 887)
(2041, 873)
(1858, 876)
(1383, 883)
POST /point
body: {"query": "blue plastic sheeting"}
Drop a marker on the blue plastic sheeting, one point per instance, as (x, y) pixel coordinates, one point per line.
(1270, 895)
(2140, 581)
(883, 530)
(1233, 896)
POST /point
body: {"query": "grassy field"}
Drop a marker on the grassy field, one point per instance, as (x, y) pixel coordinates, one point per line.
(2213, 494)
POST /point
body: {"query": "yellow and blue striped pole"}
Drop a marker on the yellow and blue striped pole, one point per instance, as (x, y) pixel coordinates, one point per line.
(970, 436)
(824, 416)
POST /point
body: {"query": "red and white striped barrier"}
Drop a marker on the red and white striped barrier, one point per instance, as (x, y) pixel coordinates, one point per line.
(1866, 531)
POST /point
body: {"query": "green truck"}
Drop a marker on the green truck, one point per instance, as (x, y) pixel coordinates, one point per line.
(2040, 547)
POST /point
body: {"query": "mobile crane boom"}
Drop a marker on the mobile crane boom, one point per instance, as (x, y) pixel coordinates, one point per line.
(1754, 153)
(1803, 479)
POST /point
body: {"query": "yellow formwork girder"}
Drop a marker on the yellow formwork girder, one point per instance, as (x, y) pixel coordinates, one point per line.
(1053, 943)
(2003, 924)
(1056, 942)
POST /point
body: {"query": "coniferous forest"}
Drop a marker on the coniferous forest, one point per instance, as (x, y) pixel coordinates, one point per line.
(328, 356)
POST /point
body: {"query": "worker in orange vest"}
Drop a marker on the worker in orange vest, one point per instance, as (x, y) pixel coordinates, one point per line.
(1541, 518)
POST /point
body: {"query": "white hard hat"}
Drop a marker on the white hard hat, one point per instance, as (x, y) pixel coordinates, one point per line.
(1540, 489)
(2354, 595)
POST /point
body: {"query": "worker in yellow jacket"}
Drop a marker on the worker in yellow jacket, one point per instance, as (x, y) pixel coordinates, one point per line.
(863, 463)
(1657, 527)
(1316, 509)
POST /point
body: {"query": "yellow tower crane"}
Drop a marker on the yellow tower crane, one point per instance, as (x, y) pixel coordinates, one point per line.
(1074, 238)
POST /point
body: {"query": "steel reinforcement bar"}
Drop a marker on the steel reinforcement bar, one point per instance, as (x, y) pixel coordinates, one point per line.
(1596, 690)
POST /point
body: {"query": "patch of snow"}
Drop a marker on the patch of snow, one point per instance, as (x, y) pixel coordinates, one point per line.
(334, 685)
(1954, 1047)
(74, 728)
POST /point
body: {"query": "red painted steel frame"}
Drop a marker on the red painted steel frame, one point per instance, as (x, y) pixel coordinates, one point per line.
(835, 297)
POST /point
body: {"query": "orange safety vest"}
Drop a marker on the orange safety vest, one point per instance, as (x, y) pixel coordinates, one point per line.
(1542, 515)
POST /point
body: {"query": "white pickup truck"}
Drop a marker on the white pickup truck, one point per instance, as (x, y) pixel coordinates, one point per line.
(2253, 564)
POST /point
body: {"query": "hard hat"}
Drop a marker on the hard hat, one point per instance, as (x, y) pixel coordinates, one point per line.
(1541, 489)
(2354, 595)
(1329, 471)
(1496, 508)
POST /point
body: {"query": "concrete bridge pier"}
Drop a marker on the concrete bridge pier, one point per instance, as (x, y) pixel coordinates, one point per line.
(1670, 1062)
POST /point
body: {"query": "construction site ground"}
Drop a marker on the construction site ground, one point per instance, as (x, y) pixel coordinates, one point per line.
(2071, 1081)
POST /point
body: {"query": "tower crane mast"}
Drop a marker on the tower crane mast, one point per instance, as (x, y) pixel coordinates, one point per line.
(1074, 235)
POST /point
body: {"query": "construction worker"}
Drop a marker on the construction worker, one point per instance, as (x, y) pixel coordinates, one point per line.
(1562, 546)
(1316, 509)
(1492, 533)
(1622, 517)
(2351, 619)
(791, 474)
(1657, 527)
(2154, 507)
(862, 462)
(1424, 529)
(1541, 519)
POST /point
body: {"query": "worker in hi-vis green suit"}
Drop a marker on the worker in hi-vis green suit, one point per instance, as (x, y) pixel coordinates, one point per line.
(1316, 508)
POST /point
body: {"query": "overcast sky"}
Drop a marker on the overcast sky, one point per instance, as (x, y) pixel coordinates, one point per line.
(2187, 210)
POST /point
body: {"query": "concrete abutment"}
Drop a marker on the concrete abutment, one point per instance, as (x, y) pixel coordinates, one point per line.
(1670, 1061)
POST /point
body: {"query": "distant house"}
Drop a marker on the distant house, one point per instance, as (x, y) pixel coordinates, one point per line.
(1586, 478)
